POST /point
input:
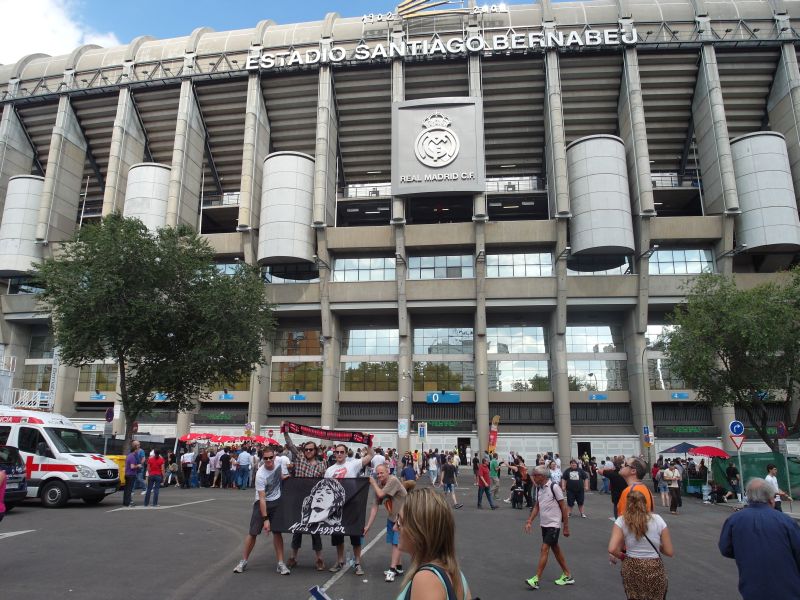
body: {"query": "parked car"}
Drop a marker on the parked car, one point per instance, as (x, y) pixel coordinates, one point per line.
(16, 486)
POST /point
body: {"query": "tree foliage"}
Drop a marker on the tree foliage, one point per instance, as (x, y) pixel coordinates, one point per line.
(157, 305)
(740, 347)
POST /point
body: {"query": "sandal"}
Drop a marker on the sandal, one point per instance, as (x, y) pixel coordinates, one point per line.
(320, 564)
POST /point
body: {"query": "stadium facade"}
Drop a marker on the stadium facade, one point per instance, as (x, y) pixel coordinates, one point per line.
(459, 214)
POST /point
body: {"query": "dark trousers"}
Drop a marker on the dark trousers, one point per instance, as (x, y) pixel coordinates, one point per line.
(226, 478)
(674, 498)
(130, 480)
(187, 475)
(526, 491)
(316, 541)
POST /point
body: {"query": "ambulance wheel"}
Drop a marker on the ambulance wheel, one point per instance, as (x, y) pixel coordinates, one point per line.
(54, 495)
(93, 501)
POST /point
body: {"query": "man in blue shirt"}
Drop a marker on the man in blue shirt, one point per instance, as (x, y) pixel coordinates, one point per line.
(766, 546)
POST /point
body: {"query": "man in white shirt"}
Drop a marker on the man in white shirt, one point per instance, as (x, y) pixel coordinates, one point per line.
(344, 469)
(267, 503)
(186, 468)
(243, 472)
(772, 477)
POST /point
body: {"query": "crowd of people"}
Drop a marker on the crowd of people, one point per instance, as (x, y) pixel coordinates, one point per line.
(420, 520)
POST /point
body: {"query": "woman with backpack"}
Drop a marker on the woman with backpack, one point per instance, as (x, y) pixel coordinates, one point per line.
(638, 539)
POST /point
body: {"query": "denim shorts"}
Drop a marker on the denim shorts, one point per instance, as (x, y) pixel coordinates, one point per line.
(392, 536)
(448, 487)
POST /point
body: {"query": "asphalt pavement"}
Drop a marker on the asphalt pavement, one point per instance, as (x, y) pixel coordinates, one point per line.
(187, 548)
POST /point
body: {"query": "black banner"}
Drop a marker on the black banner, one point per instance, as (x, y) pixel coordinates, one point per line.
(324, 506)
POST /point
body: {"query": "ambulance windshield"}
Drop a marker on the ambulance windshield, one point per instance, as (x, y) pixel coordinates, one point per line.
(69, 440)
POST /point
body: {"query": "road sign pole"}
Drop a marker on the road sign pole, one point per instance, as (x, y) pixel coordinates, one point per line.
(741, 474)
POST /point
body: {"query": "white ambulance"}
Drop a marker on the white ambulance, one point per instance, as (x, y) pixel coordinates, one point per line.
(60, 462)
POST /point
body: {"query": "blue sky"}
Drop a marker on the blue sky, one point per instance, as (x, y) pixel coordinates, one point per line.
(171, 18)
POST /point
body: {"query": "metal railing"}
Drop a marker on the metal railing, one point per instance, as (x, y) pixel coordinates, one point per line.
(671, 180)
(497, 185)
(226, 199)
(19, 398)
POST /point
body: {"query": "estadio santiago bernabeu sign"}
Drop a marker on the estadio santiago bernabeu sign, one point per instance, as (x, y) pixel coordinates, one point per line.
(540, 39)
(437, 146)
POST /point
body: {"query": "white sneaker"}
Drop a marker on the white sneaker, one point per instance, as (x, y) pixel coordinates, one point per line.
(283, 569)
(240, 567)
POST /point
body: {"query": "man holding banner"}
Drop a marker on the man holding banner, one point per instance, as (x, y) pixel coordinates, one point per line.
(344, 469)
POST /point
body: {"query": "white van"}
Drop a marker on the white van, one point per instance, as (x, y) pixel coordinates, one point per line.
(60, 463)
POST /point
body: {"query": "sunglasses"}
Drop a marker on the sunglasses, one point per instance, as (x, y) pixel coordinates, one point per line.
(269, 458)
(339, 452)
(309, 449)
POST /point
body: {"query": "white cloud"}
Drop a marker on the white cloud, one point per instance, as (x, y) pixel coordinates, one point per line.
(48, 26)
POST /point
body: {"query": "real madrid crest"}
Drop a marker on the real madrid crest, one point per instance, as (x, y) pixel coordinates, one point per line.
(436, 145)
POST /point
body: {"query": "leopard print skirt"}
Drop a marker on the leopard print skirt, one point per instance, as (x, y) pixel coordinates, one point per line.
(644, 579)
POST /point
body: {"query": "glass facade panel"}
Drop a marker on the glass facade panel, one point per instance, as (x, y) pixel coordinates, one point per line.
(41, 346)
(597, 375)
(37, 377)
(291, 376)
(661, 378)
(364, 269)
(678, 261)
(525, 264)
(516, 340)
(519, 376)
(441, 267)
(369, 376)
(595, 338)
(297, 342)
(291, 273)
(102, 378)
(653, 334)
(456, 376)
(371, 341)
(443, 340)
(587, 261)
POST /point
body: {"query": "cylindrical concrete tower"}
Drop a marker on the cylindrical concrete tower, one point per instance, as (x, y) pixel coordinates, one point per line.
(599, 198)
(18, 248)
(285, 235)
(146, 194)
(766, 194)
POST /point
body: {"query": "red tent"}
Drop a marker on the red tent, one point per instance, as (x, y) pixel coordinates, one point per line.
(709, 451)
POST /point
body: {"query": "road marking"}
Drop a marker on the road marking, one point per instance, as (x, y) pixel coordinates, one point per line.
(13, 533)
(327, 585)
(142, 507)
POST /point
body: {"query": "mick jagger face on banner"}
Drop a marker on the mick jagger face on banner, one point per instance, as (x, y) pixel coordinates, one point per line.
(322, 509)
(324, 506)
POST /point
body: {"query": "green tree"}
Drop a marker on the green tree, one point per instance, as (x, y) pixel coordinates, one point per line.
(740, 347)
(157, 305)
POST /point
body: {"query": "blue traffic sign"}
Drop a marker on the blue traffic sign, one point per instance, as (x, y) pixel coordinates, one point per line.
(679, 395)
(596, 396)
(645, 430)
(736, 427)
(443, 398)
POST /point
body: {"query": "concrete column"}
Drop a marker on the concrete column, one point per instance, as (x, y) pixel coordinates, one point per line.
(17, 340)
(724, 245)
(259, 391)
(186, 177)
(331, 352)
(638, 381)
(16, 152)
(555, 147)
(721, 416)
(405, 365)
(633, 132)
(481, 368)
(64, 401)
(63, 180)
(783, 107)
(184, 423)
(559, 382)
(713, 142)
(128, 141)
(326, 151)
(255, 150)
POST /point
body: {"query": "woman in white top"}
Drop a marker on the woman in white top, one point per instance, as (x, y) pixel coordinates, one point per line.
(644, 537)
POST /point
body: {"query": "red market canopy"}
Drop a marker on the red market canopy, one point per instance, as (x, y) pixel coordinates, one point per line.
(709, 451)
(227, 439)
